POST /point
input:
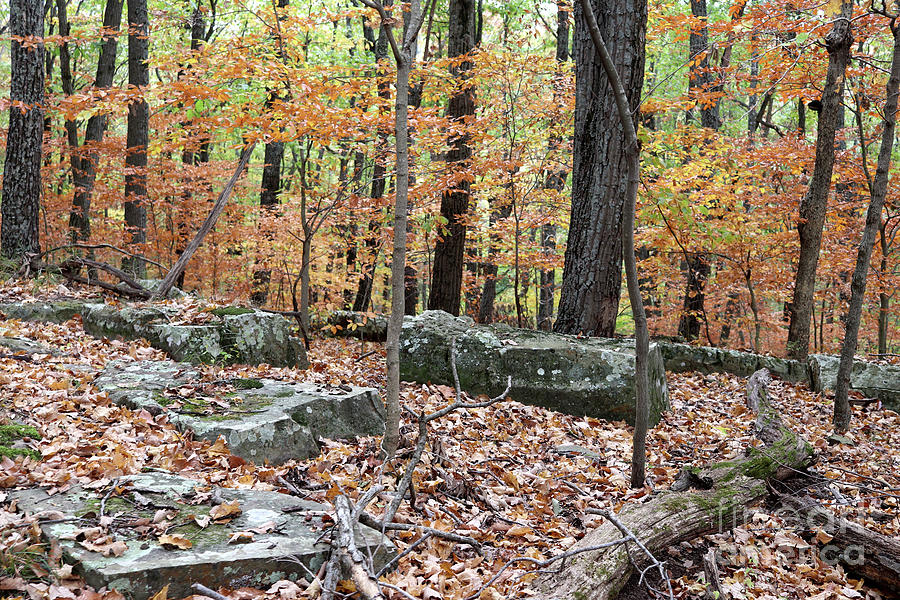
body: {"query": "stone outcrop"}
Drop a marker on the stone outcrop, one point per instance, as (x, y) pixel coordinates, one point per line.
(871, 379)
(234, 336)
(262, 420)
(580, 376)
(275, 526)
(686, 357)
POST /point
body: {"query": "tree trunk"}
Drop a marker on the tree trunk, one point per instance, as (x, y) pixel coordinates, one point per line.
(592, 274)
(446, 280)
(722, 492)
(698, 269)
(812, 209)
(555, 179)
(138, 135)
(271, 181)
(22, 170)
(864, 255)
(84, 167)
(700, 78)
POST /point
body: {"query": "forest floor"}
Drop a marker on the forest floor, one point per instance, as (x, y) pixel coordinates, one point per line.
(494, 474)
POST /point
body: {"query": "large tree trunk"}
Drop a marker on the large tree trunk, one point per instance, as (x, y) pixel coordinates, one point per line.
(446, 279)
(22, 170)
(812, 209)
(592, 275)
(877, 193)
(555, 178)
(84, 167)
(138, 134)
(698, 270)
(700, 78)
(681, 514)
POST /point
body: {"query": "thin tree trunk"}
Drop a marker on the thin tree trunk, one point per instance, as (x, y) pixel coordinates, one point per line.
(138, 135)
(877, 192)
(633, 154)
(884, 301)
(22, 170)
(84, 167)
(812, 209)
(446, 281)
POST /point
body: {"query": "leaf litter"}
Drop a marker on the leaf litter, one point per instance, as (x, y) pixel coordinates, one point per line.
(497, 474)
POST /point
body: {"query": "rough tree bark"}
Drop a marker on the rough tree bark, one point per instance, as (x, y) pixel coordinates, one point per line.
(138, 134)
(22, 169)
(446, 276)
(84, 166)
(592, 273)
(632, 149)
(812, 209)
(877, 193)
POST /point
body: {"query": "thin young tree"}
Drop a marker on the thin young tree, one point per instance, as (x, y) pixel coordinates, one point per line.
(22, 170)
(632, 149)
(877, 193)
(404, 57)
(811, 219)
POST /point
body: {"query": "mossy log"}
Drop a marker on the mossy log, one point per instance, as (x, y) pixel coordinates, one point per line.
(702, 501)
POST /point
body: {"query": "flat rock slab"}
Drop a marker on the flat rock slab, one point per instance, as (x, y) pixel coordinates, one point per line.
(579, 376)
(234, 335)
(17, 344)
(872, 379)
(262, 420)
(680, 358)
(284, 527)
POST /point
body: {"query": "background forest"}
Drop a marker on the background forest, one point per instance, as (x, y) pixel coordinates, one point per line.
(727, 125)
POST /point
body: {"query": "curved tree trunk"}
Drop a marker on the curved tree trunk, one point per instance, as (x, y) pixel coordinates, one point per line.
(22, 169)
(873, 225)
(592, 274)
(84, 166)
(812, 209)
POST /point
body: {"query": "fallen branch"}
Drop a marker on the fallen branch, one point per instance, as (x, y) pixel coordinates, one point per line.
(202, 590)
(210, 222)
(80, 246)
(351, 559)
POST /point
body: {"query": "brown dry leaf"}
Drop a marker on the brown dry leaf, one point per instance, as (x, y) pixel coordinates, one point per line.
(219, 448)
(226, 510)
(202, 521)
(823, 537)
(162, 594)
(175, 542)
(241, 537)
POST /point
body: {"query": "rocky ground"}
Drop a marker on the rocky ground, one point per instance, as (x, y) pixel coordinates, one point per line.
(519, 479)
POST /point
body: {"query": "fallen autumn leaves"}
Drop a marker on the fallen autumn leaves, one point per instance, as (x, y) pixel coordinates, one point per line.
(497, 474)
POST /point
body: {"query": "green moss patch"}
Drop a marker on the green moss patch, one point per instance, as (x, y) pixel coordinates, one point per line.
(246, 384)
(14, 432)
(230, 311)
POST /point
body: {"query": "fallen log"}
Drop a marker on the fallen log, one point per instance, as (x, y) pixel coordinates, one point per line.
(702, 501)
(864, 553)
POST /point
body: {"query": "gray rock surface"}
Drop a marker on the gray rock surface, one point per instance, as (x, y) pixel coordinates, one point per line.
(580, 376)
(16, 345)
(871, 379)
(290, 528)
(235, 336)
(53, 312)
(262, 420)
(680, 358)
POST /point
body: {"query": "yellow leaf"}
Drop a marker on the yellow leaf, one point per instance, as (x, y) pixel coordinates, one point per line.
(162, 594)
(823, 537)
(174, 542)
